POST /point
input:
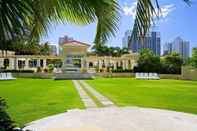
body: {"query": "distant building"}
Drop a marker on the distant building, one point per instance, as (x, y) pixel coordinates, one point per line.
(167, 48)
(126, 38)
(62, 40)
(74, 55)
(53, 50)
(152, 41)
(179, 46)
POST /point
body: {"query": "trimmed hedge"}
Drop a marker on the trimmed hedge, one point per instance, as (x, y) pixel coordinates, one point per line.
(18, 71)
(122, 71)
(34, 75)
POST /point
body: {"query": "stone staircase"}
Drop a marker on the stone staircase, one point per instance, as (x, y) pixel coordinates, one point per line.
(72, 76)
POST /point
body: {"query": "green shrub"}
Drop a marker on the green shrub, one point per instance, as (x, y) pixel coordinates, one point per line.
(19, 71)
(50, 67)
(39, 69)
(101, 70)
(46, 70)
(6, 124)
(96, 68)
(120, 70)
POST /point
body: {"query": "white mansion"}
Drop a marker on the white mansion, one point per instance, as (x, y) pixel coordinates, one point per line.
(73, 53)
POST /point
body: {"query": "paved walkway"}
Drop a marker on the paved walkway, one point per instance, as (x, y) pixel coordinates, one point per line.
(104, 100)
(88, 102)
(117, 119)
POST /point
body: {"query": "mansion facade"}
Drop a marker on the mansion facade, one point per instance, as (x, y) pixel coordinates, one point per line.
(73, 54)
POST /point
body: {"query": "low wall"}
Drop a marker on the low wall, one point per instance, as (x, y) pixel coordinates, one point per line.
(124, 75)
(33, 75)
(162, 76)
(170, 76)
(189, 73)
(115, 74)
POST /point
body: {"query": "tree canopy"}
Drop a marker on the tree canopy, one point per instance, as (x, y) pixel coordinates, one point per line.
(110, 51)
(194, 58)
(171, 64)
(148, 62)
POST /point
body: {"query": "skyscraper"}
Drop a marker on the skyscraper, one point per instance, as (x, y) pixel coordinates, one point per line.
(53, 50)
(152, 41)
(126, 38)
(167, 48)
(64, 39)
(179, 46)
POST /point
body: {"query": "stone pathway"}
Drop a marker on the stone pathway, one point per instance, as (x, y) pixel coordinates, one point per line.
(104, 100)
(88, 102)
(117, 119)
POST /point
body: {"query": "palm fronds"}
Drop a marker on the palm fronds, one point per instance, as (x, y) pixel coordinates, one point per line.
(145, 13)
(17, 17)
(14, 15)
(108, 18)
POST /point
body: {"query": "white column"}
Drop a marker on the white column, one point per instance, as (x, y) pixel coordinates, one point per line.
(44, 63)
(26, 63)
(87, 65)
(1, 62)
(104, 62)
(119, 63)
(100, 64)
(127, 64)
(11, 63)
(115, 66)
(82, 63)
(16, 64)
(38, 62)
(123, 65)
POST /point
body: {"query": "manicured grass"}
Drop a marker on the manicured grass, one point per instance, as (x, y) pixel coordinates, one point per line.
(175, 95)
(32, 99)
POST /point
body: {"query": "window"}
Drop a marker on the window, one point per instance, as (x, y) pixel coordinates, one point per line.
(90, 64)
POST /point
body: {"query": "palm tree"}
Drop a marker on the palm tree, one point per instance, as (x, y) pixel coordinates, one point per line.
(18, 17)
(145, 13)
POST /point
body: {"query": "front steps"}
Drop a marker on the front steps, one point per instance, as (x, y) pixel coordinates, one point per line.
(73, 76)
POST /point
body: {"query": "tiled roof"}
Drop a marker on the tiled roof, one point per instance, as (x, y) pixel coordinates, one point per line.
(75, 42)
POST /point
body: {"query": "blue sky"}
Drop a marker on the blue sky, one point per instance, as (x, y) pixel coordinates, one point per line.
(178, 20)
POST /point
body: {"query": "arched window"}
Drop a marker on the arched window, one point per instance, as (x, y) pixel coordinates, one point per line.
(6, 63)
(129, 62)
(90, 64)
(121, 64)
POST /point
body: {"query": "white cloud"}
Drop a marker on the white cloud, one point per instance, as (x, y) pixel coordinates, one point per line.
(131, 10)
(166, 10)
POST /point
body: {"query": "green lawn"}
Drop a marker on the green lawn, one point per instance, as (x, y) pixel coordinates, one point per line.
(165, 94)
(31, 99)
